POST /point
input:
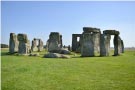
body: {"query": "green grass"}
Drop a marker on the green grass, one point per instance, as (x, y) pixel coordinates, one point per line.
(90, 73)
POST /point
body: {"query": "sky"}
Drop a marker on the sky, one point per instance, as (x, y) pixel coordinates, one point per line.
(38, 18)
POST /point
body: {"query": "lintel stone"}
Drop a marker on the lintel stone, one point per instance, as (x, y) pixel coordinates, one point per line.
(91, 29)
(111, 32)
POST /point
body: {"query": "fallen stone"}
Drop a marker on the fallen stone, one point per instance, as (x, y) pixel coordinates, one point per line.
(55, 55)
(34, 54)
(64, 51)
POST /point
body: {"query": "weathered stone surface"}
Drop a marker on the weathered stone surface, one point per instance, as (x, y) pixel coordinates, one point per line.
(56, 55)
(61, 44)
(24, 44)
(22, 37)
(117, 45)
(95, 33)
(111, 32)
(54, 42)
(74, 42)
(52, 55)
(28, 47)
(53, 46)
(87, 45)
(34, 45)
(64, 51)
(96, 39)
(22, 48)
(40, 46)
(104, 44)
(122, 46)
(13, 43)
(55, 36)
(76, 45)
(78, 49)
(90, 29)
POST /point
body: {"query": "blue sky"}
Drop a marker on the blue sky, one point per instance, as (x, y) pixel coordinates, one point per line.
(38, 18)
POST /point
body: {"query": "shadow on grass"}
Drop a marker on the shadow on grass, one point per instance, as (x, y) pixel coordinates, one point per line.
(95, 56)
(7, 53)
(85, 57)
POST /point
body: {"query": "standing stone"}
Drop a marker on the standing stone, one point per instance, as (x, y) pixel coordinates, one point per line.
(53, 46)
(40, 46)
(23, 44)
(116, 40)
(122, 46)
(93, 39)
(117, 44)
(104, 44)
(55, 36)
(54, 42)
(78, 48)
(96, 37)
(34, 45)
(87, 45)
(74, 42)
(61, 44)
(13, 43)
(28, 47)
(76, 45)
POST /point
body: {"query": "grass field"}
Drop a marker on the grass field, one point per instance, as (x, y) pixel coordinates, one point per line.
(91, 73)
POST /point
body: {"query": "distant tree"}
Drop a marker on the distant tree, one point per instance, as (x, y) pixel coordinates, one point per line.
(4, 46)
